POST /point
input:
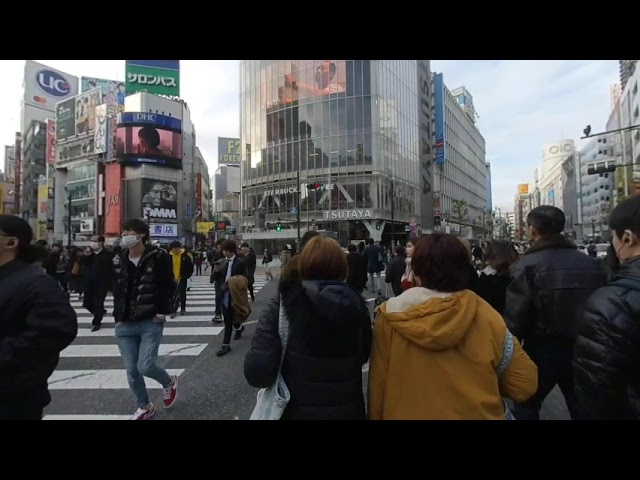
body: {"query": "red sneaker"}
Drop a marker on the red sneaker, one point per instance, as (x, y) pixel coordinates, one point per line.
(170, 394)
(144, 413)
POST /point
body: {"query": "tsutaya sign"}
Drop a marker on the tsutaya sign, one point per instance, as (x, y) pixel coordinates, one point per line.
(348, 214)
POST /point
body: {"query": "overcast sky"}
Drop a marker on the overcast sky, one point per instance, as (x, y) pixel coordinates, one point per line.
(522, 104)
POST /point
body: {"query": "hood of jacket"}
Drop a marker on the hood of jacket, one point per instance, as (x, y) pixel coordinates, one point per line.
(435, 321)
(335, 300)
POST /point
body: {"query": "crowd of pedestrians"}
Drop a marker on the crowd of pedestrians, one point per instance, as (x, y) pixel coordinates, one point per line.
(528, 320)
(491, 328)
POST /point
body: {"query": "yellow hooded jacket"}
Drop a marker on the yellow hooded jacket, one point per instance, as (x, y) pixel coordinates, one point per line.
(434, 357)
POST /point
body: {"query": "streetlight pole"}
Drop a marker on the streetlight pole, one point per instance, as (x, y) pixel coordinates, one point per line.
(393, 214)
(69, 226)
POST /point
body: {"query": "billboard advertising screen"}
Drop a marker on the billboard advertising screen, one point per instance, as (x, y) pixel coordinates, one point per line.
(159, 77)
(149, 138)
(159, 200)
(113, 92)
(438, 99)
(228, 151)
(44, 86)
(51, 142)
(76, 116)
(101, 129)
(293, 80)
(112, 200)
(65, 119)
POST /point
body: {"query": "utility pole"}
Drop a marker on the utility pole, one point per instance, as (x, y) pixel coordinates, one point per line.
(298, 202)
(393, 214)
(69, 226)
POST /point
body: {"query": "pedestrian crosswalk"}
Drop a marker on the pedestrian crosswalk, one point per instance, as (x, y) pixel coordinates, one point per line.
(90, 382)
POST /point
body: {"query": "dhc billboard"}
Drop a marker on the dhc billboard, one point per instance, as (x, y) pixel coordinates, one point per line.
(438, 116)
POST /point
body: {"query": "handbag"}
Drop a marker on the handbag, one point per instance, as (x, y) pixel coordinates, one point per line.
(507, 353)
(271, 401)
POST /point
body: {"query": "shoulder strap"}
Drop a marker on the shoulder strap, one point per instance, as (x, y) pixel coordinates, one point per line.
(507, 353)
(632, 283)
(283, 331)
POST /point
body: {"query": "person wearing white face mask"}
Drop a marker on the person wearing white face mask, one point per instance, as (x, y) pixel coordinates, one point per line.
(98, 275)
(143, 288)
(605, 363)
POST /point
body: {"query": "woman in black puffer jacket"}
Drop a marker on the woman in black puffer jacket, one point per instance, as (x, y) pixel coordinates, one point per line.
(329, 338)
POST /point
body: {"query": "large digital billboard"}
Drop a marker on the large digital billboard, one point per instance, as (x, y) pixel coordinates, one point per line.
(149, 138)
(113, 92)
(159, 77)
(288, 81)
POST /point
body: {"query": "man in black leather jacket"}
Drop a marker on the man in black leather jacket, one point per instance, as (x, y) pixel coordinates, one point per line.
(607, 360)
(545, 305)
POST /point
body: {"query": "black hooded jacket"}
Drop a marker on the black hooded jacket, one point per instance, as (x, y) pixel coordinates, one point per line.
(329, 341)
(607, 352)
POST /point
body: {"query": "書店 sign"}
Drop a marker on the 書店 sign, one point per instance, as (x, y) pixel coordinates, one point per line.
(348, 214)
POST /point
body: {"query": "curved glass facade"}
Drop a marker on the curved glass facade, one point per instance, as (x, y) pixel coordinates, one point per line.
(349, 125)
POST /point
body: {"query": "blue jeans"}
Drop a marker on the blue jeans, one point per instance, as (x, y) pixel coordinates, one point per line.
(139, 343)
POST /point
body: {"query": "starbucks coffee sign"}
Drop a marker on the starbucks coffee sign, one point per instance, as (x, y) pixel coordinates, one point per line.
(348, 215)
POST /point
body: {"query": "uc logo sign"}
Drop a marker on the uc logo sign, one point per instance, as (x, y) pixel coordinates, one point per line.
(52, 83)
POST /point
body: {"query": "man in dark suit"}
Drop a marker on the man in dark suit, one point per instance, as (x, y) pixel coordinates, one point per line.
(235, 266)
(98, 278)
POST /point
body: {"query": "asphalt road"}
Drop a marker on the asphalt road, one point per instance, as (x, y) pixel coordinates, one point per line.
(210, 387)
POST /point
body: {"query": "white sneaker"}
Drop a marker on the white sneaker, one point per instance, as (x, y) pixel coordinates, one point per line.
(144, 413)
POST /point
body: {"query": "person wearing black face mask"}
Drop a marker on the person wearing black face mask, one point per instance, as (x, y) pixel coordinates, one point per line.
(143, 288)
(36, 324)
(98, 275)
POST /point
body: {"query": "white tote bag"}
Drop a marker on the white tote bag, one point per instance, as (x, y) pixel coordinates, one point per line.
(272, 401)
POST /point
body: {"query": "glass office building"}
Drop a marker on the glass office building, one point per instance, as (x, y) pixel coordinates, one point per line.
(350, 126)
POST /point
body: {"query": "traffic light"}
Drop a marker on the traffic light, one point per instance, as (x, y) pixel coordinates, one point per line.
(313, 186)
(601, 169)
(377, 226)
(278, 225)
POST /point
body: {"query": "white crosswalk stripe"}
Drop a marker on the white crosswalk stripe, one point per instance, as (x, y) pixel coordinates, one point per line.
(90, 382)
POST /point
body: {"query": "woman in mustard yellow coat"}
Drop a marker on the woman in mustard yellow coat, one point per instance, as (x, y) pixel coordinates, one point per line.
(440, 352)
